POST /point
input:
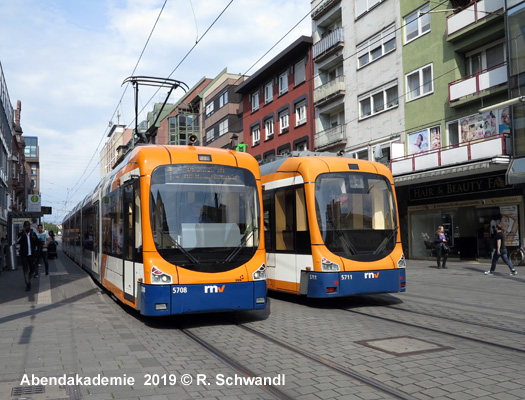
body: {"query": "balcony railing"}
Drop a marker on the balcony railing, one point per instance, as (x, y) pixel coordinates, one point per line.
(478, 82)
(471, 14)
(330, 89)
(330, 137)
(328, 42)
(476, 150)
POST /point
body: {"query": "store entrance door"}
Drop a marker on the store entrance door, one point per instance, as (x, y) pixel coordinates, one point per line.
(467, 241)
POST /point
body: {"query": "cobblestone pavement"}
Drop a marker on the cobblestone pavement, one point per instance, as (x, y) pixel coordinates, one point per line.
(455, 334)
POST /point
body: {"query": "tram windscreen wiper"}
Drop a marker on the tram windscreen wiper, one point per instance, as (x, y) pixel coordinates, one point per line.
(187, 254)
(385, 241)
(236, 250)
(351, 249)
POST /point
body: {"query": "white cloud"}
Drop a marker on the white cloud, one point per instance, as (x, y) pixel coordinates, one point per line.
(66, 62)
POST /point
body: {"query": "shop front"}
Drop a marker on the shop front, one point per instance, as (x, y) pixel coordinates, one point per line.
(468, 210)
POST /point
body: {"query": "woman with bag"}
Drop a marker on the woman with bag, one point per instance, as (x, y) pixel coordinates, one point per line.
(441, 246)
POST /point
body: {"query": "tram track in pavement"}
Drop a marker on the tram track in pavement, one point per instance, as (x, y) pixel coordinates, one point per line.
(440, 331)
(279, 394)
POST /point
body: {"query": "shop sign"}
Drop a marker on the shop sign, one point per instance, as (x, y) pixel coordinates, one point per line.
(457, 188)
(493, 202)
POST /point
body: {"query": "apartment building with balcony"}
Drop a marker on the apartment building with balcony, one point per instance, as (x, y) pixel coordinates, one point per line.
(222, 111)
(358, 81)
(277, 103)
(450, 164)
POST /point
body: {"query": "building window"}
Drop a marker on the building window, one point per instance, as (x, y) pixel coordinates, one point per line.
(376, 47)
(209, 135)
(283, 83)
(268, 93)
(223, 99)
(223, 127)
(209, 109)
(484, 58)
(419, 83)
(300, 113)
(268, 127)
(30, 150)
(363, 6)
(255, 101)
(417, 23)
(300, 72)
(378, 100)
(284, 118)
(256, 135)
(361, 154)
(303, 146)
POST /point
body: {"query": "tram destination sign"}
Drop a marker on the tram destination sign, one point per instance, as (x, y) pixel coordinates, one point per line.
(458, 188)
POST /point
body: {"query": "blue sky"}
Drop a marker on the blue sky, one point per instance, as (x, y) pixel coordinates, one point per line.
(66, 61)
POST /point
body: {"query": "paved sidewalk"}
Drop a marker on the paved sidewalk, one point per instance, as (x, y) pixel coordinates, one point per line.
(67, 327)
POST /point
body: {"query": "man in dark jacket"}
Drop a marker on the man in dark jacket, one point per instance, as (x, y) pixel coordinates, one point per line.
(28, 242)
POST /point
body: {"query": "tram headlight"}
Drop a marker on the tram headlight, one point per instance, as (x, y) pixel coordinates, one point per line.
(159, 277)
(260, 274)
(402, 262)
(329, 266)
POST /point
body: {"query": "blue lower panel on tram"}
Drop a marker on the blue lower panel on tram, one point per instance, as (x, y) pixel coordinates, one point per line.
(340, 284)
(159, 300)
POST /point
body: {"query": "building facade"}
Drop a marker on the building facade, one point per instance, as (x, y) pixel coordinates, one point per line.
(183, 118)
(6, 138)
(115, 148)
(278, 113)
(429, 89)
(358, 94)
(450, 166)
(222, 111)
(19, 177)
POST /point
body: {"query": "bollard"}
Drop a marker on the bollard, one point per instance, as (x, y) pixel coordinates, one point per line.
(3, 264)
(12, 261)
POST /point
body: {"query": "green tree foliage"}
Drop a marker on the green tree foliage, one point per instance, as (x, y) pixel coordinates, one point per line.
(51, 227)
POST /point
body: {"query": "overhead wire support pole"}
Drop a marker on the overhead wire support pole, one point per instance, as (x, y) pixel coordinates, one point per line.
(151, 81)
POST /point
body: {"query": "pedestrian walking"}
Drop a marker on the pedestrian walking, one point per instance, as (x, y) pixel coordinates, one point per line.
(500, 250)
(44, 240)
(441, 247)
(28, 243)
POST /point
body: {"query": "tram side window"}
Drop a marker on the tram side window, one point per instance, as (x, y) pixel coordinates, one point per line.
(302, 239)
(138, 226)
(268, 222)
(284, 200)
(96, 226)
(290, 221)
(128, 208)
(88, 221)
(112, 233)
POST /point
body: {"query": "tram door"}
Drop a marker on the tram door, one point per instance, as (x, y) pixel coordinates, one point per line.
(128, 243)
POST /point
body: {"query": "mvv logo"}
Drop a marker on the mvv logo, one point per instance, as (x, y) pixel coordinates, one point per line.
(371, 275)
(213, 289)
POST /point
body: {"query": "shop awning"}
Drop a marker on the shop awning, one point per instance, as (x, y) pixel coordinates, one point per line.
(516, 172)
(496, 164)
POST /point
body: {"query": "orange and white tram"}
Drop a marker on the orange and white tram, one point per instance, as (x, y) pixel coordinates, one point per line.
(173, 230)
(331, 227)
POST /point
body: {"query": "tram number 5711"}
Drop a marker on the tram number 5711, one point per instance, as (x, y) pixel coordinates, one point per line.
(346, 277)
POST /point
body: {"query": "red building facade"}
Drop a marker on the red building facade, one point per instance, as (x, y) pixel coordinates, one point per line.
(278, 112)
